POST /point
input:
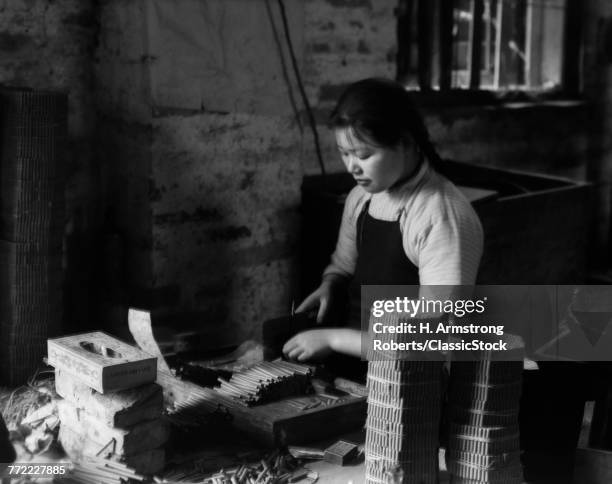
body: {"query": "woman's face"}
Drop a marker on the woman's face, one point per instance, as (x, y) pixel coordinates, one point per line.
(373, 167)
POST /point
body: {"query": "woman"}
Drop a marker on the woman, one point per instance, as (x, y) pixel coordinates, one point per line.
(403, 223)
(406, 224)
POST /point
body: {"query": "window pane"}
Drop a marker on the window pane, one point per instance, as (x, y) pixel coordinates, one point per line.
(490, 42)
(511, 56)
(408, 50)
(545, 31)
(462, 26)
(522, 43)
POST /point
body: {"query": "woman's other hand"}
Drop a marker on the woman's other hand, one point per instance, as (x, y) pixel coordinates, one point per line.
(309, 345)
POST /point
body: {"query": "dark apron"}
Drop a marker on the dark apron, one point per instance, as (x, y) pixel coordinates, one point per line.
(381, 260)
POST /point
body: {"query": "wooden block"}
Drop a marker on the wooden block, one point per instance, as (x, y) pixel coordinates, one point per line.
(101, 361)
(134, 440)
(78, 446)
(340, 453)
(123, 408)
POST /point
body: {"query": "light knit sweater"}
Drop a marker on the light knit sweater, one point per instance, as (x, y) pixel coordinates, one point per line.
(441, 232)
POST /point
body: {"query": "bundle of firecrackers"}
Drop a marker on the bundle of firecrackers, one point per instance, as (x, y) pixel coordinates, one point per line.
(95, 470)
(266, 382)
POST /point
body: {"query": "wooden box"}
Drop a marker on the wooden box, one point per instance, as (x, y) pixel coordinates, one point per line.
(101, 361)
(279, 423)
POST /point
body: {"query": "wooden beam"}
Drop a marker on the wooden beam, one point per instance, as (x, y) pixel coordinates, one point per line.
(476, 43)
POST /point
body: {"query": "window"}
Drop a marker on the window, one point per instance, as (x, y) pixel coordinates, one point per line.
(494, 45)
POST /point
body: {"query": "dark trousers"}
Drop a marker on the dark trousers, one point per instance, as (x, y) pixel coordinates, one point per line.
(7, 452)
(552, 406)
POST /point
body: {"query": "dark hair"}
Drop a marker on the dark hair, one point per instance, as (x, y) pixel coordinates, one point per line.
(381, 111)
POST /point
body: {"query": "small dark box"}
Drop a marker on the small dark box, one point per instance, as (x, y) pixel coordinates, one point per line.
(340, 453)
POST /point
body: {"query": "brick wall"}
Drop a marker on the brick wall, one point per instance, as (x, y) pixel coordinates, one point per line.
(216, 192)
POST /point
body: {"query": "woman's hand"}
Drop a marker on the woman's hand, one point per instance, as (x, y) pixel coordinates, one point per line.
(321, 297)
(309, 345)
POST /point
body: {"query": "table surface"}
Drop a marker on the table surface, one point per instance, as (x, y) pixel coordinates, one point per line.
(355, 474)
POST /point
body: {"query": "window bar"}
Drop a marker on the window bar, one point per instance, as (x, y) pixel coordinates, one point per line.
(488, 35)
(446, 43)
(532, 50)
(404, 37)
(476, 43)
(519, 33)
(435, 43)
(571, 47)
(425, 21)
(498, 46)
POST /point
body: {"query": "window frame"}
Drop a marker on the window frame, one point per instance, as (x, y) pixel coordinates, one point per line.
(434, 53)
